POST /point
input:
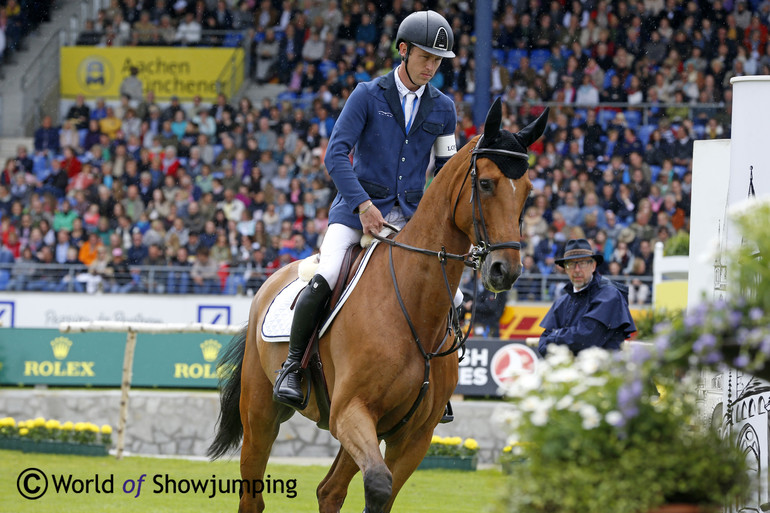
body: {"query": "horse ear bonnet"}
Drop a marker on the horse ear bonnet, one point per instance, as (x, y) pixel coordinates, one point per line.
(495, 137)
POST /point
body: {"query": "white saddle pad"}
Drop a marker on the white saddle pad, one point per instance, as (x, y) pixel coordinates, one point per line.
(277, 324)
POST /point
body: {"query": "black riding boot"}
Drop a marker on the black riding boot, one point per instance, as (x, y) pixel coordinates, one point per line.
(307, 313)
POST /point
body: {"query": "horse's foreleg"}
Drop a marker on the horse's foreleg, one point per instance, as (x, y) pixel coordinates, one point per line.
(261, 418)
(404, 456)
(354, 427)
(333, 489)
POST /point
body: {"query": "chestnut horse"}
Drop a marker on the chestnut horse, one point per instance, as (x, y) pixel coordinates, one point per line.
(373, 371)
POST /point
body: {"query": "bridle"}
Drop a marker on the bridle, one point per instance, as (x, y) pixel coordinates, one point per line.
(473, 259)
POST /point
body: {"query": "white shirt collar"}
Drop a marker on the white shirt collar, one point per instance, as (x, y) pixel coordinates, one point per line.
(402, 89)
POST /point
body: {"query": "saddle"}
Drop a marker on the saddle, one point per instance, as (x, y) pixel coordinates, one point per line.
(311, 367)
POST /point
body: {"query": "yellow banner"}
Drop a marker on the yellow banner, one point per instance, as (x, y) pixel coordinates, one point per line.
(183, 72)
(524, 321)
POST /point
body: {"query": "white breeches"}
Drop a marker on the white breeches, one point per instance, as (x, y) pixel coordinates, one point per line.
(339, 237)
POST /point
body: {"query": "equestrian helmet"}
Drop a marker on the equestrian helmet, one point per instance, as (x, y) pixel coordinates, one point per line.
(429, 31)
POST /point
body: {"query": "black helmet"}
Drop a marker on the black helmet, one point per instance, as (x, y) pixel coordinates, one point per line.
(429, 31)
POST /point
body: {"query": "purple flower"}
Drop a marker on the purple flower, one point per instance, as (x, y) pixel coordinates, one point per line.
(713, 357)
(662, 343)
(639, 354)
(628, 395)
(755, 314)
(741, 361)
(764, 346)
(705, 341)
(735, 318)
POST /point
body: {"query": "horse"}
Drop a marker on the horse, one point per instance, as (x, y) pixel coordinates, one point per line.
(379, 385)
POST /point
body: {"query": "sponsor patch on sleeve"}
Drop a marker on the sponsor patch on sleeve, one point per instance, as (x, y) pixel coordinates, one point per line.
(445, 146)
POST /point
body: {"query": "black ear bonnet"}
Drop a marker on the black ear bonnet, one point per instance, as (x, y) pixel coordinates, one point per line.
(497, 138)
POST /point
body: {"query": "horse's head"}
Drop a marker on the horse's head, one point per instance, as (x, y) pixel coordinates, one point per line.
(499, 188)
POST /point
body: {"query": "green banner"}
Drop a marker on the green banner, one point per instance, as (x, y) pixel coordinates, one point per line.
(48, 357)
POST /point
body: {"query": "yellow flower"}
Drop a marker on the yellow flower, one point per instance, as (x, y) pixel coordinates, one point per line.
(471, 444)
(436, 440)
(22, 424)
(39, 422)
(68, 426)
(92, 427)
(53, 424)
(453, 440)
(23, 431)
(106, 429)
(80, 426)
(507, 448)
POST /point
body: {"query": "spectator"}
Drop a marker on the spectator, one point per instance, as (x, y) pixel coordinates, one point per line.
(47, 139)
(119, 275)
(189, 31)
(131, 86)
(204, 273)
(592, 312)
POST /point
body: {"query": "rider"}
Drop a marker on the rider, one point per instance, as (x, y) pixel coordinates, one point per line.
(394, 124)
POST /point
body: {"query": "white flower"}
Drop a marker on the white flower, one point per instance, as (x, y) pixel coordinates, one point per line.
(748, 206)
(591, 360)
(564, 375)
(613, 418)
(565, 402)
(507, 417)
(534, 403)
(591, 417)
(558, 355)
(523, 385)
(579, 389)
(539, 417)
(595, 382)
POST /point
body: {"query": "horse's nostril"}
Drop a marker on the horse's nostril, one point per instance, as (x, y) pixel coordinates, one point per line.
(498, 269)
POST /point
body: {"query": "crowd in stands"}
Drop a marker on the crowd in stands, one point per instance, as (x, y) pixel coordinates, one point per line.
(18, 18)
(195, 189)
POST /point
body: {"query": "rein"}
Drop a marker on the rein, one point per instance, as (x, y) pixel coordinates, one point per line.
(473, 259)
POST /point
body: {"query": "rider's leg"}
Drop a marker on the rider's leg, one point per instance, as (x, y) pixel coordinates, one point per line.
(309, 308)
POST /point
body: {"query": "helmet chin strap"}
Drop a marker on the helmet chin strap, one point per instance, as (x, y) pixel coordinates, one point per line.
(405, 61)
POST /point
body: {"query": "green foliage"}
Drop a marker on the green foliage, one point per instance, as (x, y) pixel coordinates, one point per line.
(679, 244)
(647, 320)
(610, 432)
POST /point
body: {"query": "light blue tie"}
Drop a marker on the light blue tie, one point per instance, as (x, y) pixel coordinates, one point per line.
(411, 114)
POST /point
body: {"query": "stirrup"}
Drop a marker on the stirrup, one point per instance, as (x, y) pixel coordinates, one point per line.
(284, 373)
(449, 414)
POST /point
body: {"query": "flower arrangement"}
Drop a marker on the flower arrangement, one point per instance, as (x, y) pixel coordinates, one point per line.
(734, 330)
(452, 446)
(605, 431)
(42, 430)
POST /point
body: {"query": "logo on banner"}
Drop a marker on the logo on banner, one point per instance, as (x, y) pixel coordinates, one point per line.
(210, 349)
(196, 370)
(512, 361)
(7, 314)
(209, 314)
(95, 74)
(61, 349)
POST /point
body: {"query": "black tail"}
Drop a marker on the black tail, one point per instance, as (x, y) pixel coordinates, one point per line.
(230, 428)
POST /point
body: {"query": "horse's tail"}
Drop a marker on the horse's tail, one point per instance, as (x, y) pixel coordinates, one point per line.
(230, 429)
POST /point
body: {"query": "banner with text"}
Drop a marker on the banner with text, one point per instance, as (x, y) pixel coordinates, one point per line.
(184, 72)
(48, 357)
